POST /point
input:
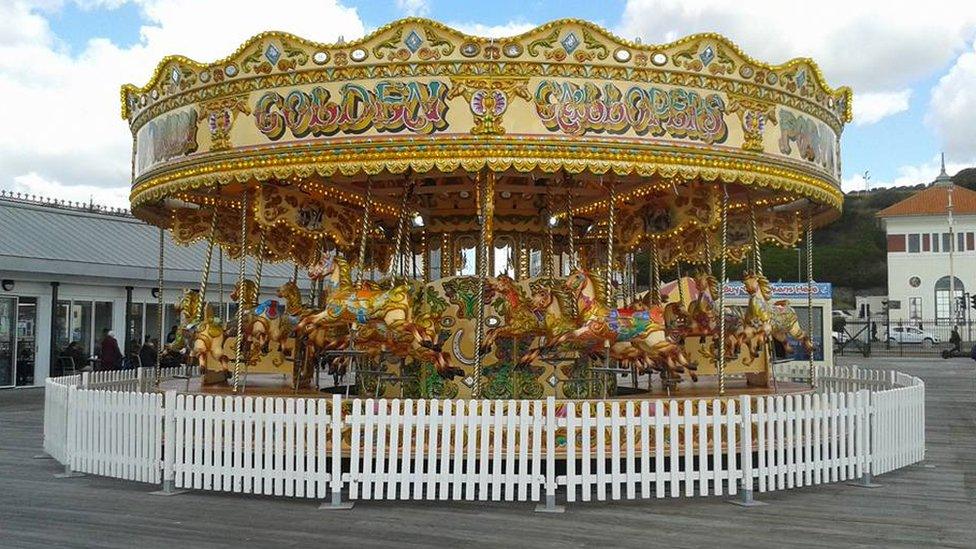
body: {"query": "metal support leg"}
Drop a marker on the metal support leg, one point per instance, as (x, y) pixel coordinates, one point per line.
(168, 489)
(336, 504)
(68, 473)
(866, 481)
(550, 506)
(745, 497)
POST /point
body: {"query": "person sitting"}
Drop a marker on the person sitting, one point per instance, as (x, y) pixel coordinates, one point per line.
(75, 353)
(147, 354)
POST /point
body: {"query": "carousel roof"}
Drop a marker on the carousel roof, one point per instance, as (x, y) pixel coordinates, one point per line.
(405, 118)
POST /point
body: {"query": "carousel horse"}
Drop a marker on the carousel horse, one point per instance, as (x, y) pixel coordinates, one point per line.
(257, 319)
(206, 337)
(702, 314)
(317, 340)
(750, 327)
(519, 318)
(785, 324)
(383, 317)
(540, 315)
(633, 335)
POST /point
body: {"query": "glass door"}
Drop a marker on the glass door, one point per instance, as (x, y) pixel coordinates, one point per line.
(8, 341)
(26, 340)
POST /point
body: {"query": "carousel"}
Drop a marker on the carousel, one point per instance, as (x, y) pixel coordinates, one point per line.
(466, 216)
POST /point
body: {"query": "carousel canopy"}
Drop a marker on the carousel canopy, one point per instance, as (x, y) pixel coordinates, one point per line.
(306, 134)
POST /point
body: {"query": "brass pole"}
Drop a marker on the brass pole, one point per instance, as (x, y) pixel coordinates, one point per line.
(550, 243)
(813, 371)
(205, 275)
(364, 228)
(573, 258)
(239, 344)
(721, 292)
(486, 206)
(220, 282)
(159, 302)
(611, 227)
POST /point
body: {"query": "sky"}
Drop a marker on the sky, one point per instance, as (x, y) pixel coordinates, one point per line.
(912, 67)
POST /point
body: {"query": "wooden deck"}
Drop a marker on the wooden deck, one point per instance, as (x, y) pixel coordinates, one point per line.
(933, 504)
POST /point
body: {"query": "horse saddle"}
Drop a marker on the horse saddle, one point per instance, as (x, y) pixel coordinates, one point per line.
(626, 319)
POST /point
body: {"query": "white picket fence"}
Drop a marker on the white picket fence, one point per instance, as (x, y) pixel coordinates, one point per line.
(860, 422)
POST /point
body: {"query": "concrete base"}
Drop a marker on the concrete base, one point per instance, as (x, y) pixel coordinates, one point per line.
(69, 474)
(550, 506)
(337, 504)
(866, 481)
(41, 456)
(168, 489)
(745, 500)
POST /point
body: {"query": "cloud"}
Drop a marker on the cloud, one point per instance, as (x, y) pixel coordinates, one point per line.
(418, 8)
(33, 184)
(511, 28)
(872, 107)
(908, 175)
(875, 46)
(61, 110)
(952, 109)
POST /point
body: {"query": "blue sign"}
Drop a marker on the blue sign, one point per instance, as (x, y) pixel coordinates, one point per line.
(784, 290)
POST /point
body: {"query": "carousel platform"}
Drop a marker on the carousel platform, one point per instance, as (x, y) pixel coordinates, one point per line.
(273, 385)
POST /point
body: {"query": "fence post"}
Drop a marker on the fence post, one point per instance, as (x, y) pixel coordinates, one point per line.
(745, 459)
(69, 435)
(85, 379)
(869, 436)
(169, 446)
(550, 505)
(336, 422)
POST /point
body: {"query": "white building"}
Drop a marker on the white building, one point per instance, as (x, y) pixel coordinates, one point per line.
(925, 244)
(68, 273)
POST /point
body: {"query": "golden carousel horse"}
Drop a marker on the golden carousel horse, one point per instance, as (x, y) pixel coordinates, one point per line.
(383, 317)
(785, 324)
(633, 335)
(206, 337)
(317, 339)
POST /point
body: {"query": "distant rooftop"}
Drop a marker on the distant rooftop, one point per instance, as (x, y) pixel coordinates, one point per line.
(934, 200)
(96, 244)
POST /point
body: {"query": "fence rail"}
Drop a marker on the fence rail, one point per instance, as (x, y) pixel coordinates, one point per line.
(860, 422)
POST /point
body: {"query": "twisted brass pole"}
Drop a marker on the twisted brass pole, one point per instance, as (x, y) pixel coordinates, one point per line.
(364, 228)
(573, 259)
(655, 273)
(205, 276)
(611, 227)
(220, 282)
(397, 267)
(550, 242)
(159, 303)
(486, 191)
(721, 292)
(813, 371)
(756, 253)
(239, 343)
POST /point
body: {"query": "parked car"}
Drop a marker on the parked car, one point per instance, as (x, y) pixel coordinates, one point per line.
(912, 335)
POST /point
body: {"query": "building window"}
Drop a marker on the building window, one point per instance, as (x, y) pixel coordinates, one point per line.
(935, 242)
(960, 242)
(945, 242)
(943, 303)
(970, 242)
(915, 308)
(913, 247)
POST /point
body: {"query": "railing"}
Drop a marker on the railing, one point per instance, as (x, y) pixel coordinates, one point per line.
(859, 423)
